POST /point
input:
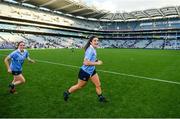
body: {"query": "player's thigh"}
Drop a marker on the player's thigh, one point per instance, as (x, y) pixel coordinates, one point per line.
(81, 83)
(95, 80)
(19, 77)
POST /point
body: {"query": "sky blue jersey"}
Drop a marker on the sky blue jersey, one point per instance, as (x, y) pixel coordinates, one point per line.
(17, 59)
(90, 55)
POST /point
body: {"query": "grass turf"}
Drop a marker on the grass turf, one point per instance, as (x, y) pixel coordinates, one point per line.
(41, 95)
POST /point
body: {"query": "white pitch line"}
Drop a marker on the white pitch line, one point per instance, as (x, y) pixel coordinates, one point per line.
(142, 77)
(112, 72)
(44, 61)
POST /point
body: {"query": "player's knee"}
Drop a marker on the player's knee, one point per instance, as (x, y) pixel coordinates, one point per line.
(80, 86)
(23, 80)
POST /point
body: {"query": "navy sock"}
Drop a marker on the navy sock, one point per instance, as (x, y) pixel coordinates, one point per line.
(99, 95)
(12, 85)
(68, 92)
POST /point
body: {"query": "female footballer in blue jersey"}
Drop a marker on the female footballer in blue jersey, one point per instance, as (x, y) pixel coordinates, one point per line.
(88, 71)
(17, 58)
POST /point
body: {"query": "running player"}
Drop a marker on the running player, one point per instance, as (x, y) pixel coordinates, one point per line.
(17, 58)
(88, 71)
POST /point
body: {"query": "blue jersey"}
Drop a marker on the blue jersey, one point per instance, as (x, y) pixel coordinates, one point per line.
(90, 55)
(17, 59)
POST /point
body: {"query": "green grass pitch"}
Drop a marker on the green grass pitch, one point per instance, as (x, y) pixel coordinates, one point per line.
(41, 95)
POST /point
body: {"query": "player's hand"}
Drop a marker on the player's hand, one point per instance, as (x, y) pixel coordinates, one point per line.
(9, 70)
(32, 61)
(99, 62)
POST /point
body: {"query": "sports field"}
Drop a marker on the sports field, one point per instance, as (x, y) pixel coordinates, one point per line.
(137, 83)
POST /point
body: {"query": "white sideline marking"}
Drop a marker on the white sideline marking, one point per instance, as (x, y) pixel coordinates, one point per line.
(112, 72)
(44, 61)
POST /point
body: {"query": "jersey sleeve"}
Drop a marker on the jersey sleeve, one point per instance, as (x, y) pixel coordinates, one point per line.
(11, 55)
(88, 54)
(27, 54)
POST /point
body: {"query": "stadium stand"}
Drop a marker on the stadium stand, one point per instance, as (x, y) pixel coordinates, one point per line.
(53, 28)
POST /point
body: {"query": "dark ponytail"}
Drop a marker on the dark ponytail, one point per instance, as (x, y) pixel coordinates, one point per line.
(19, 44)
(89, 42)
